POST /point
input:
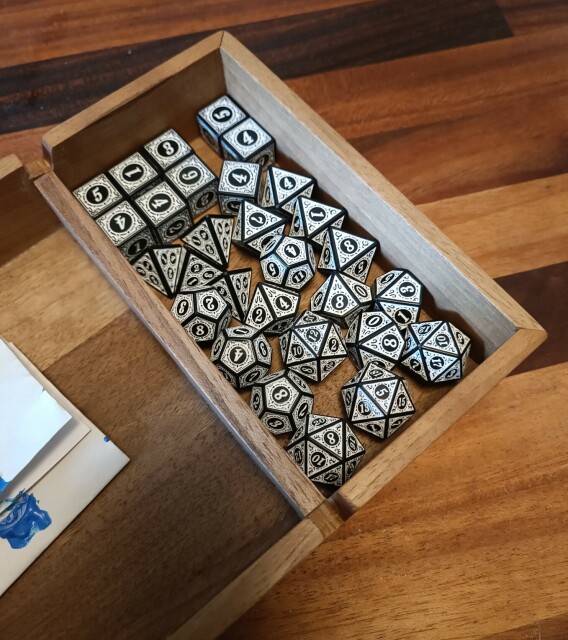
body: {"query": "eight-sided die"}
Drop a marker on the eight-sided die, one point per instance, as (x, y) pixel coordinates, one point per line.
(256, 226)
(282, 188)
(341, 298)
(312, 219)
(399, 294)
(347, 253)
(374, 336)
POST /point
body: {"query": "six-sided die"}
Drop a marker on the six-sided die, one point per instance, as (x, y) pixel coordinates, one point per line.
(249, 142)
(326, 449)
(167, 149)
(272, 309)
(134, 175)
(211, 239)
(256, 226)
(218, 117)
(341, 298)
(436, 351)
(162, 267)
(347, 253)
(289, 262)
(202, 313)
(312, 219)
(377, 400)
(282, 188)
(167, 214)
(196, 183)
(242, 354)
(399, 294)
(238, 182)
(126, 230)
(283, 401)
(374, 336)
(98, 195)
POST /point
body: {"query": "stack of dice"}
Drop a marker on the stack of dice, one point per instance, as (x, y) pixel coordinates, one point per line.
(155, 207)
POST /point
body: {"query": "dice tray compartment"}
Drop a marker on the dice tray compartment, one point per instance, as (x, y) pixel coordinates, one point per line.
(503, 333)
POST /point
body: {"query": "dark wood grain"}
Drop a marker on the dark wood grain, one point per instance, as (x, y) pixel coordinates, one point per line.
(555, 628)
(532, 16)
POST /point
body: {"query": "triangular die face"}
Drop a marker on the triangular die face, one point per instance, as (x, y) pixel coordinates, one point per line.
(307, 369)
(402, 314)
(386, 344)
(317, 215)
(330, 438)
(350, 467)
(256, 220)
(401, 402)
(360, 269)
(297, 351)
(405, 289)
(240, 290)
(382, 393)
(334, 344)
(282, 301)
(327, 365)
(200, 239)
(462, 341)
(453, 373)
(286, 185)
(384, 282)
(327, 260)
(349, 247)
(333, 476)
(290, 206)
(318, 460)
(348, 395)
(297, 228)
(223, 229)
(394, 423)
(317, 422)
(415, 362)
(259, 314)
(297, 452)
(437, 363)
(422, 330)
(360, 291)
(148, 271)
(170, 261)
(198, 273)
(313, 336)
(364, 408)
(339, 300)
(375, 427)
(374, 372)
(318, 299)
(353, 446)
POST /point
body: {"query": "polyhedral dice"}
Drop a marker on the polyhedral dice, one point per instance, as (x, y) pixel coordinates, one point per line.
(312, 219)
(288, 262)
(377, 400)
(162, 268)
(166, 213)
(198, 273)
(203, 314)
(272, 309)
(399, 294)
(234, 286)
(218, 117)
(167, 149)
(134, 175)
(196, 183)
(238, 182)
(326, 449)
(256, 226)
(98, 195)
(126, 230)
(374, 336)
(341, 298)
(211, 239)
(436, 351)
(313, 346)
(249, 142)
(347, 253)
(283, 401)
(242, 354)
(282, 188)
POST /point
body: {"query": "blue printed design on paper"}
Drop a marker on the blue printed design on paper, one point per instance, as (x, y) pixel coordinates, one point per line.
(23, 521)
(3, 484)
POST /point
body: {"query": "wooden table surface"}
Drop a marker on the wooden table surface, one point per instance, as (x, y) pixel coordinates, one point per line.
(463, 105)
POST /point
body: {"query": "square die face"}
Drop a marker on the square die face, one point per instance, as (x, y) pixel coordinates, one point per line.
(241, 179)
(160, 203)
(167, 149)
(221, 115)
(136, 245)
(133, 174)
(121, 223)
(98, 195)
(204, 200)
(246, 140)
(175, 227)
(190, 176)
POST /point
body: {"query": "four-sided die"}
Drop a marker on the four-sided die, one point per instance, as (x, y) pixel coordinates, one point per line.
(239, 181)
(377, 400)
(234, 286)
(272, 309)
(166, 213)
(347, 253)
(134, 175)
(399, 294)
(341, 298)
(283, 401)
(167, 149)
(98, 195)
(203, 314)
(436, 351)
(249, 142)
(218, 117)
(313, 347)
(326, 449)
(312, 219)
(374, 336)
(255, 227)
(162, 268)
(288, 262)
(283, 188)
(242, 354)
(198, 273)
(126, 230)
(211, 239)
(196, 183)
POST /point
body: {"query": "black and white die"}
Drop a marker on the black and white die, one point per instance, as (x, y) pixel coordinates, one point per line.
(167, 214)
(341, 298)
(326, 449)
(134, 175)
(399, 294)
(198, 273)
(283, 401)
(211, 239)
(98, 195)
(313, 347)
(202, 313)
(272, 309)
(289, 262)
(256, 226)
(242, 354)
(167, 149)
(162, 268)
(234, 286)
(196, 183)
(282, 188)
(312, 219)
(218, 117)
(126, 230)
(347, 253)
(436, 351)
(374, 336)
(377, 400)
(249, 142)
(238, 182)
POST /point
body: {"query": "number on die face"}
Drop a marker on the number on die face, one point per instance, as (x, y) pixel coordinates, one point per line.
(272, 309)
(203, 314)
(288, 262)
